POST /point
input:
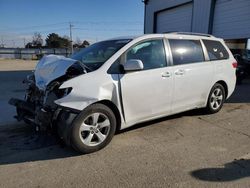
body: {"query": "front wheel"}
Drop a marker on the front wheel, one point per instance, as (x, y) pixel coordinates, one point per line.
(93, 129)
(216, 99)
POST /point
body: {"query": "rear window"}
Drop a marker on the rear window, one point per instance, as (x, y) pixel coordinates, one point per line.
(186, 51)
(215, 50)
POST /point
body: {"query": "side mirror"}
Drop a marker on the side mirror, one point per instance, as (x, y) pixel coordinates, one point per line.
(133, 65)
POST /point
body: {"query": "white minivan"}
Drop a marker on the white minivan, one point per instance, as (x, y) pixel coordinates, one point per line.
(117, 83)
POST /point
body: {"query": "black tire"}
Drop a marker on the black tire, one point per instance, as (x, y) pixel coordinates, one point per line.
(210, 108)
(77, 138)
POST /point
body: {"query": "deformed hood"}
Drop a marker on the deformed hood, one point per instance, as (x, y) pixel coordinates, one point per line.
(50, 68)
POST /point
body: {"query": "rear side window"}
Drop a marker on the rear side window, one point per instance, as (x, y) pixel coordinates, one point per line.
(186, 51)
(215, 50)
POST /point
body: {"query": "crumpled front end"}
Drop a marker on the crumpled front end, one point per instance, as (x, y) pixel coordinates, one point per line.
(38, 107)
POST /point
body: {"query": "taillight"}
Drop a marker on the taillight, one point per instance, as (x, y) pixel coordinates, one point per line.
(235, 64)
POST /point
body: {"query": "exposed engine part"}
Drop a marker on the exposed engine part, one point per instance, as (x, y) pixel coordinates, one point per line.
(38, 107)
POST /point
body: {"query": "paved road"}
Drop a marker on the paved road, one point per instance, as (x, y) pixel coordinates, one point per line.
(12, 73)
(185, 150)
(10, 86)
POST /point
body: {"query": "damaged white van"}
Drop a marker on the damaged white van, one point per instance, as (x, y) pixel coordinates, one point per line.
(117, 83)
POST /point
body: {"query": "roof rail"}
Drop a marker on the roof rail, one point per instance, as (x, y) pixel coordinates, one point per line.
(191, 33)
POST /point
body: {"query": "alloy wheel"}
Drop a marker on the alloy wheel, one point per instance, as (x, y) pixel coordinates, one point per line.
(216, 99)
(94, 129)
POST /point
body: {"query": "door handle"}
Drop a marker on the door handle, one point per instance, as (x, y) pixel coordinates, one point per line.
(179, 72)
(166, 74)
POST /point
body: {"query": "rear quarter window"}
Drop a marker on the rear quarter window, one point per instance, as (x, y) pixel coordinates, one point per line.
(215, 50)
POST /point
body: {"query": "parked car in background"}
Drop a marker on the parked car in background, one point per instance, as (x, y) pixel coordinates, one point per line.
(243, 68)
(117, 83)
(241, 72)
(246, 60)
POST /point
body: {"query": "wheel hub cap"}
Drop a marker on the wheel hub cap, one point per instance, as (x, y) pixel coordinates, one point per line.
(216, 99)
(94, 129)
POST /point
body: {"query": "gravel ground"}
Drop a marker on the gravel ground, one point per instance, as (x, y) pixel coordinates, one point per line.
(17, 64)
(186, 150)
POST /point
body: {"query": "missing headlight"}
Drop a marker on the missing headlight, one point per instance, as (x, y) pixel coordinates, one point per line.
(63, 92)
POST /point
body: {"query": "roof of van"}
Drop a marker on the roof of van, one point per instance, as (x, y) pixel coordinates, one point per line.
(183, 35)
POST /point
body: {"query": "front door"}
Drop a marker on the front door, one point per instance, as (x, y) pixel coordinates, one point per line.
(147, 94)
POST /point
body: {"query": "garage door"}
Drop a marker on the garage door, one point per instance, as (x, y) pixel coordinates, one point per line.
(175, 19)
(232, 19)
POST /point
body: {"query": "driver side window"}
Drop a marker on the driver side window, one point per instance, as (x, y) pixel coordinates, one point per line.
(151, 53)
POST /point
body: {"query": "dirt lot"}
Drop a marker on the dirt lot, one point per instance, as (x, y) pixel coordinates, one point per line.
(17, 65)
(186, 150)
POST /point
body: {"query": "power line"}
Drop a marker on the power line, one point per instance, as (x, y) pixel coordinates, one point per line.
(106, 29)
(32, 27)
(110, 22)
(76, 28)
(76, 22)
(40, 31)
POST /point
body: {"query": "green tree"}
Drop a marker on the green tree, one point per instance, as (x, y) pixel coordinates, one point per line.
(85, 43)
(80, 44)
(53, 40)
(29, 45)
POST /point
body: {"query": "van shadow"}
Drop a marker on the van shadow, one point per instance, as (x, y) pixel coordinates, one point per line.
(232, 171)
(241, 93)
(21, 143)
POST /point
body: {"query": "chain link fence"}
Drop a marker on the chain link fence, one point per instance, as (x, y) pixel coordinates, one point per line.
(32, 54)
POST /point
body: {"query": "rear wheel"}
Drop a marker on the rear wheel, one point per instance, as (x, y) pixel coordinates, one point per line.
(216, 99)
(93, 129)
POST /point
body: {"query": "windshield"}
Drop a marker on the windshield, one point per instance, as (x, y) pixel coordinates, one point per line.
(97, 54)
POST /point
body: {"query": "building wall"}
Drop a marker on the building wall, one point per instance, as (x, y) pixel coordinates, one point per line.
(158, 5)
(201, 16)
(232, 19)
(228, 19)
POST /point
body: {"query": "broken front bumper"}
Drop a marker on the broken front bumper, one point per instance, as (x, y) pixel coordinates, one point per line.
(31, 114)
(61, 118)
(25, 110)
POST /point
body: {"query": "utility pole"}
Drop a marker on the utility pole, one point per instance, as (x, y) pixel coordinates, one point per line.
(70, 33)
(24, 42)
(2, 44)
(14, 44)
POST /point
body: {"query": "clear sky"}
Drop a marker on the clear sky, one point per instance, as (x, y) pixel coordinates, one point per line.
(92, 20)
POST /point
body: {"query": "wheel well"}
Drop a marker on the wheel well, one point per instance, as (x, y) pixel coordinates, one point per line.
(225, 86)
(115, 110)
